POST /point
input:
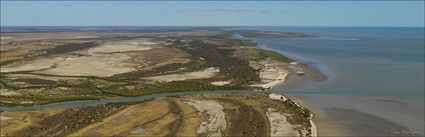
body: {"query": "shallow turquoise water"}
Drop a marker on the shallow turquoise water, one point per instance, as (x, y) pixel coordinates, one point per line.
(365, 61)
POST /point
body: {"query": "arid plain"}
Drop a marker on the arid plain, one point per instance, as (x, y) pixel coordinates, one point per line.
(53, 66)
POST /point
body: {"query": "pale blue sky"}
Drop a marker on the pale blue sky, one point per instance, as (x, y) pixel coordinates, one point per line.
(212, 13)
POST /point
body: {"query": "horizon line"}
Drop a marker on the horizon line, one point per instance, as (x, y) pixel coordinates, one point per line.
(201, 26)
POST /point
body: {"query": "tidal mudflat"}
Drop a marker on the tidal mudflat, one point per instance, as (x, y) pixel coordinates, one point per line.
(374, 82)
(363, 116)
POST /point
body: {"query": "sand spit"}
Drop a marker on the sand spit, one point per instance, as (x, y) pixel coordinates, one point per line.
(216, 123)
(277, 97)
(271, 74)
(283, 98)
(206, 73)
(279, 126)
(220, 83)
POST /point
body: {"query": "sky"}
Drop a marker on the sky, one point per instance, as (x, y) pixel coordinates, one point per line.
(212, 13)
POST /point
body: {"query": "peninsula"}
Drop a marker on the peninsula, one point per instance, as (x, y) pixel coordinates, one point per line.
(46, 65)
(60, 65)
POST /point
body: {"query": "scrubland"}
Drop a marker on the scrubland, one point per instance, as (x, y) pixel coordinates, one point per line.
(45, 67)
(195, 115)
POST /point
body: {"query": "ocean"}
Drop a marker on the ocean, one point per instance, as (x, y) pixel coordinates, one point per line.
(381, 62)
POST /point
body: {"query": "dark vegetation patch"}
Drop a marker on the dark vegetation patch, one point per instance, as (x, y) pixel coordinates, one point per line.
(234, 108)
(61, 49)
(298, 115)
(59, 92)
(178, 122)
(244, 120)
(175, 86)
(301, 114)
(202, 56)
(243, 43)
(36, 81)
(231, 67)
(9, 62)
(193, 65)
(40, 98)
(69, 120)
(273, 55)
(70, 47)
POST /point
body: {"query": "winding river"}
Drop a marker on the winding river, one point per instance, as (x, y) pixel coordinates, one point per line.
(80, 103)
(396, 53)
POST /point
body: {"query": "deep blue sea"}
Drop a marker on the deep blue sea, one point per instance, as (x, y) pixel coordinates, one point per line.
(365, 61)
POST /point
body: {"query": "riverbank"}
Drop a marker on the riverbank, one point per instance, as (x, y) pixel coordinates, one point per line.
(146, 64)
(193, 115)
(362, 116)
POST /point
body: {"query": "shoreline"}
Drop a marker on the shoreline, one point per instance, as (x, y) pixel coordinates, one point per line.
(309, 64)
(329, 124)
(313, 125)
(279, 75)
(312, 74)
(285, 97)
